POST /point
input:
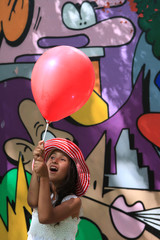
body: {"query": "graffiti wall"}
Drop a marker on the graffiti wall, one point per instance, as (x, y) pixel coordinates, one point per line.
(117, 129)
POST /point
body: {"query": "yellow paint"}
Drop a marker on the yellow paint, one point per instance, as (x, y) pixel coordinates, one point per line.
(93, 112)
(97, 86)
(17, 227)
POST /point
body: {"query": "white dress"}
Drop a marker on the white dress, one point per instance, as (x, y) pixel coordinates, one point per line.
(65, 230)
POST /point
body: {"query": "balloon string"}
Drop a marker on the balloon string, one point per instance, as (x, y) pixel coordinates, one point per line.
(45, 130)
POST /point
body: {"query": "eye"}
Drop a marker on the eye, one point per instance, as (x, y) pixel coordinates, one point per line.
(63, 159)
(74, 18)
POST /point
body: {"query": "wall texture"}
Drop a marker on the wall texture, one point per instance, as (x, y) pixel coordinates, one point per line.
(117, 129)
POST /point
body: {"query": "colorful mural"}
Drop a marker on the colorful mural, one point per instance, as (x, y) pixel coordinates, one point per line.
(117, 129)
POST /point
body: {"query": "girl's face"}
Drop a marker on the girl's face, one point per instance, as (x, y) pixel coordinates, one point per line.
(58, 166)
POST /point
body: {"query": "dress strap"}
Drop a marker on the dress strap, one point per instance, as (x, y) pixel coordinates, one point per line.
(68, 197)
(53, 201)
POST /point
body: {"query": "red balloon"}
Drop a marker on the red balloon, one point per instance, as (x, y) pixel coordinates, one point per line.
(62, 81)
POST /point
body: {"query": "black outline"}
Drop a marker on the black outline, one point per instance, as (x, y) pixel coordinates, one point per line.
(26, 29)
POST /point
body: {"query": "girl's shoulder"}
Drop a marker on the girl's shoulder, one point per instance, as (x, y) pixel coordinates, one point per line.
(68, 197)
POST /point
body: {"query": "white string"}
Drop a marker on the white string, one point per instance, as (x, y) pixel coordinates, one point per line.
(47, 124)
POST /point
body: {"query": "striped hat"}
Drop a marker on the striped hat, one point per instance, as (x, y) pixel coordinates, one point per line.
(73, 151)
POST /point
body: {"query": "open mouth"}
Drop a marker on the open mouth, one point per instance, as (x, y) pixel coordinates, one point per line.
(124, 220)
(53, 169)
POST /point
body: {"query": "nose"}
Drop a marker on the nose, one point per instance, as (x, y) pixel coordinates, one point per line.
(55, 160)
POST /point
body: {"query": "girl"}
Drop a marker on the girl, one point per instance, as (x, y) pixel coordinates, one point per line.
(60, 176)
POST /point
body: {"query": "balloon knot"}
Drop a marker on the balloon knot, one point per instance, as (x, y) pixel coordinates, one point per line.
(48, 122)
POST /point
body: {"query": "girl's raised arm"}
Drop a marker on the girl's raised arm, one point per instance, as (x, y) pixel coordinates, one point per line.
(33, 192)
(49, 214)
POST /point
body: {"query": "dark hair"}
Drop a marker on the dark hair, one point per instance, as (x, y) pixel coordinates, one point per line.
(69, 185)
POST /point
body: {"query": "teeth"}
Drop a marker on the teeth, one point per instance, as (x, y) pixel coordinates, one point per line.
(53, 168)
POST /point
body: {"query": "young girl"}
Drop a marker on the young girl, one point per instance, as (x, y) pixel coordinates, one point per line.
(60, 176)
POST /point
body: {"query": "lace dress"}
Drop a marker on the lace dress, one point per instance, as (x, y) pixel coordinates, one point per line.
(65, 230)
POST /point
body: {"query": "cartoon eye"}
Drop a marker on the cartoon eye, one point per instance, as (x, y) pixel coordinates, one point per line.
(48, 136)
(78, 19)
(25, 147)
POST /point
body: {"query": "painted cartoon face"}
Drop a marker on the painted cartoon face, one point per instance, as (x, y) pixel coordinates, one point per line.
(90, 26)
(73, 23)
(35, 125)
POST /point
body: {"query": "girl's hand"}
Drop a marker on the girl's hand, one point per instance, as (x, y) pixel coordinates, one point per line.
(38, 153)
(40, 168)
(39, 165)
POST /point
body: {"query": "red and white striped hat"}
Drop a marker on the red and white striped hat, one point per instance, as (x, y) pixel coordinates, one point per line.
(73, 151)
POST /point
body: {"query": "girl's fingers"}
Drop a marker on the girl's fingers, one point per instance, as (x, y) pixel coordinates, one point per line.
(38, 153)
(39, 159)
(41, 144)
(40, 169)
